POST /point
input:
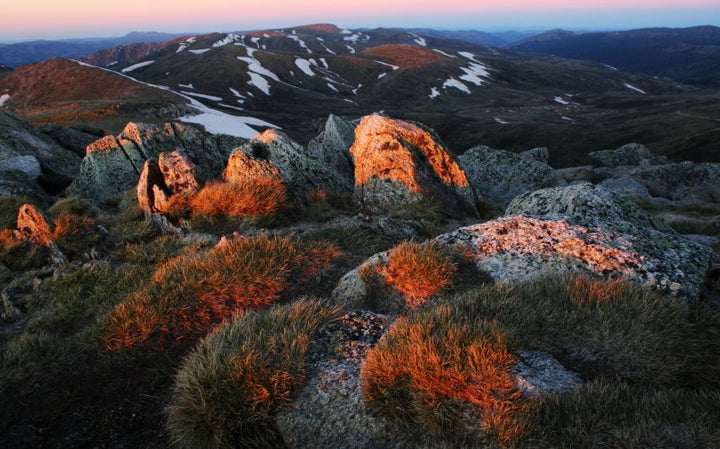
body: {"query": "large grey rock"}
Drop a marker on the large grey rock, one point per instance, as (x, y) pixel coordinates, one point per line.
(626, 186)
(301, 171)
(500, 175)
(398, 162)
(682, 181)
(113, 164)
(333, 146)
(586, 228)
(537, 373)
(74, 139)
(171, 174)
(28, 165)
(630, 154)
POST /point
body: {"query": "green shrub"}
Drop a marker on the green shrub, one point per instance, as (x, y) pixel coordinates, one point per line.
(228, 389)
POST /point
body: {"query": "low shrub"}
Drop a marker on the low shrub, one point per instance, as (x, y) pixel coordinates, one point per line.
(229, 387)
(20, 254)
(75, 234)
(73, 206)
(198, 289)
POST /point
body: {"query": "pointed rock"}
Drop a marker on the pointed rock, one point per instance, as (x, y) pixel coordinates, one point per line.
(31, 225)
(333, 146)
(172, 174)
(398, 162)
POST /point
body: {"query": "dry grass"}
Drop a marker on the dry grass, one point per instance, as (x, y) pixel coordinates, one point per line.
(229, 388)
(194, 291)
(262, 196)
(446, 371)
(75, 234)
(20, 254)
(419, 271)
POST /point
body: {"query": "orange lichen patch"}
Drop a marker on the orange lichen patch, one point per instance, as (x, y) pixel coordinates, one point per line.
(251, 197)
(266, 33)
(437, 375)
(103, 144)
(524, 235)
(418, 271)
(382, 149)
(191, 293)
(406, 57)
(326, 27)
(267, 136)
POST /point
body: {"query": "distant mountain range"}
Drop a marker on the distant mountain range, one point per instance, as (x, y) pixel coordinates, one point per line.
(17, 54)
(688, 55)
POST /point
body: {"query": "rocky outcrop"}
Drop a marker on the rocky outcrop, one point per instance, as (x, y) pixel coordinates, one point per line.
(74, 139)
(333, 146)
(301, 171)
(682, 181)
(114, 164)
(243, 167)
(31, 225)
(171, 174)
(537, 373)
(398, 162)
(30, 159)
(500, 175)
(632, 154)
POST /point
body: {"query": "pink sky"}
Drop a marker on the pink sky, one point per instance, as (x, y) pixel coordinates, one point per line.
(26, 19)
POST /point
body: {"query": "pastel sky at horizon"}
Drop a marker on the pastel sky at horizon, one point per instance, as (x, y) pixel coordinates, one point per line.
(53, 19)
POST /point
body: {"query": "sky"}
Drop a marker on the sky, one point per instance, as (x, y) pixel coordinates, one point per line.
(53, 19)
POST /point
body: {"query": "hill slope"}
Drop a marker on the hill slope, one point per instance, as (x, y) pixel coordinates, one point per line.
(688, 55)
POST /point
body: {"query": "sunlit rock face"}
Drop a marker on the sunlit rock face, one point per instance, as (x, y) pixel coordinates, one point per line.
(113, 164)
(171, 174)
(584, 229)
(31, 225)
(302, 172)
(398, 162)
(499, 175)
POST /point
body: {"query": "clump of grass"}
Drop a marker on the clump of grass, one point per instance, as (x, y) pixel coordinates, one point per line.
(198, 289)
(624, 415)
(421, 209)
(447, 371)
(250, 198)
(228, 389)
(73, 206)
(350, 238)
(21, 254)
(75, 234)
(419, 271)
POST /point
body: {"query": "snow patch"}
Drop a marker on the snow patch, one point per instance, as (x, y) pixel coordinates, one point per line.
(344, 31)
(631, 87)
(434, 92)
(568, 119)
(305, 66)
(324, 63)
(611, 67)
(255, 66)
(420, 40)
(475, 74)
(250, 52)
(300, 42)
(382, 75)
(200, 51)
(186, 86)
(203, 96)
(236, 93)
(110, 64)
(327, 49)
(501, 121)
(230, 107)
(452, 82)
(259, 82)
(3, 99)
(229, 39)
(137, 66)
(468, 55)
(447, 55)
(560, 100)
(332, 87)
(394, 67)
(256, 41)
(352, 50)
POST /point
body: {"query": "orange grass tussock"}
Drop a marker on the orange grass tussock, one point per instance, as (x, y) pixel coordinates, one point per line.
(446, 376)
(418, 271)
(194, 291)
(248, 198)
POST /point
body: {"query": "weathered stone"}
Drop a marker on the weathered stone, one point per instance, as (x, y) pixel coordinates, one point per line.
(586, 228)
(500, 175)
(301, 171)
(242, 167)
(398, 162)
(683, 181)
(27, 165)
(113, 164)
(540, 154)
(630, 154)
(333, 146)
(31, 225)
(537, 373)
(75, 139)
(626, 186)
